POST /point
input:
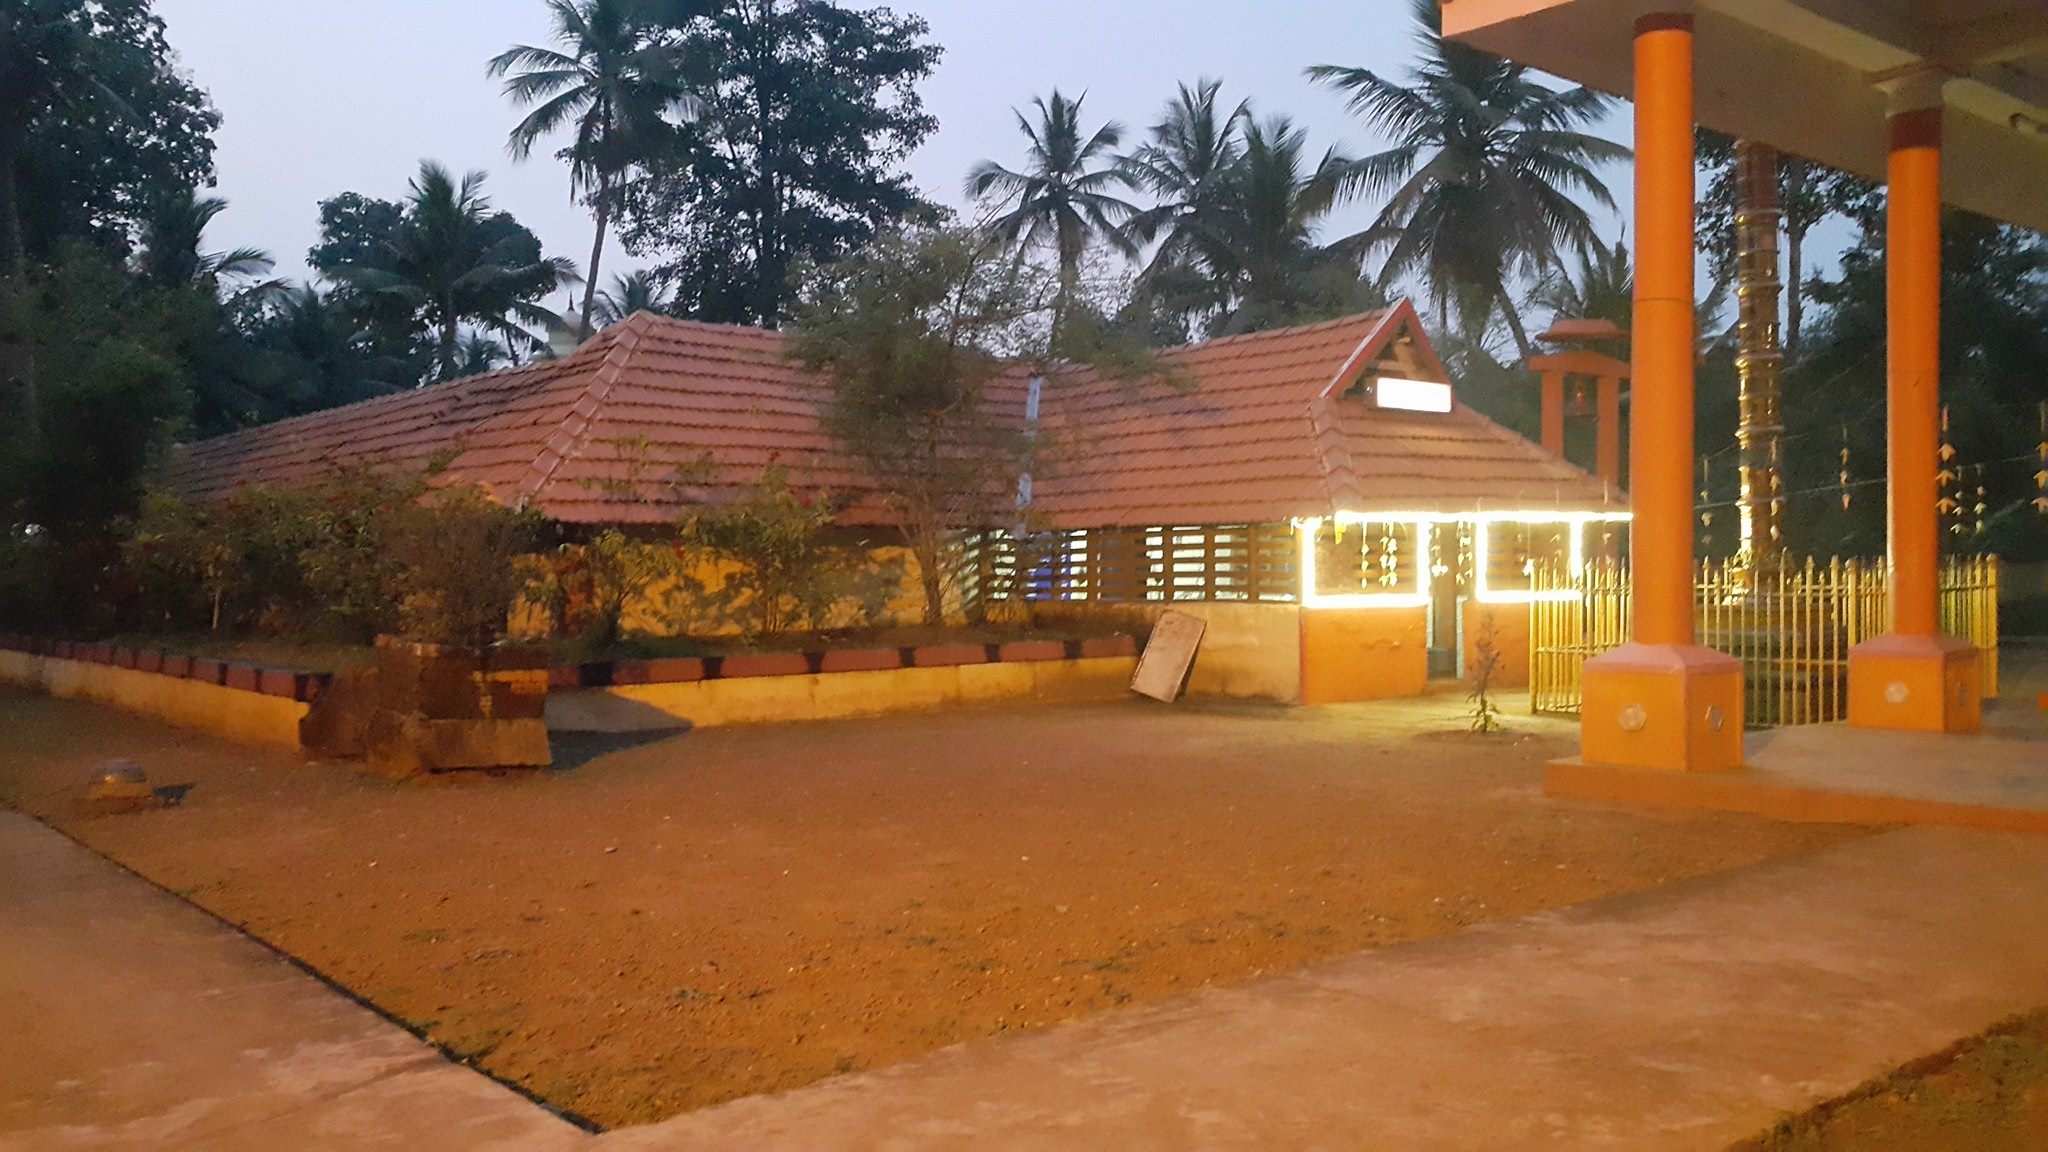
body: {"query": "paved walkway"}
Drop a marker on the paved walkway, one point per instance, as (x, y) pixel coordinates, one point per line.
(1683, 1018)
(131, 1020)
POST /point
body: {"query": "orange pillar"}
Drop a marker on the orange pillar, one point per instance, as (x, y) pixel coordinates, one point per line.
(1661, 701)
(1913, 677)
(1553, 411)
(1607, 438)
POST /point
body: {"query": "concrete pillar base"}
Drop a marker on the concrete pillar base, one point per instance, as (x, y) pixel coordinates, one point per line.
(1674, 708)
(1916, 684)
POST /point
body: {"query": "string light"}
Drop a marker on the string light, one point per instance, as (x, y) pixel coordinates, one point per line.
(1471, 541)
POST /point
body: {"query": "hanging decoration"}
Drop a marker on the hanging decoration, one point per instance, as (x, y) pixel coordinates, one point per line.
(1706, 504)
(2041, 457)
(1843, 475)
(1981, 506)
(1948, 503)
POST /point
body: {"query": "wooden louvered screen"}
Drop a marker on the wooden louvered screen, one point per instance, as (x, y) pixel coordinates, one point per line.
(1242, 562)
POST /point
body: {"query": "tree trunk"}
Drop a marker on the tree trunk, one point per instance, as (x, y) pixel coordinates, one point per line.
(931, 577)
(448, 335)
(1522, 346)
(604, 215)
(1795, 304)
(12, 249)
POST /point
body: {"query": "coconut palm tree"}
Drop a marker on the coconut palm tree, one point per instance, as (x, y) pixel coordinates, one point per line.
(1480, 185)
(617, 82)
(1275, 198)
(172, 253)
(1185, 166)
(1601, 286)
(453, 260)
(1063, 199)
(634, 292)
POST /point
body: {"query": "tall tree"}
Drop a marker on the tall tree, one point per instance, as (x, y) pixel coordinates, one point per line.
(453, 260)
(633, 292)
(911, 333)
(616, 81)
(1483, 186)
(1184, 166)
(1994, 356)
(91, 388)
(812, 108)
(1063, 199)
(1808, 193)
(1239, 247)
(1276, 200)
(173, 248)
(96, 124)
(328, 355)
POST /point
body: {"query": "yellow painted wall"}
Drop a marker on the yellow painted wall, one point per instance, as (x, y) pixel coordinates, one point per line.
(1510, 637)
(1363, 654)
(689, 601)
(838, 695)
(236, 715)
(1249, 650)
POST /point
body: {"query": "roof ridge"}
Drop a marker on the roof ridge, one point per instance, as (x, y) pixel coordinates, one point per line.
(664, 320)
(1291, 330)
(438, 390)
(568, 437)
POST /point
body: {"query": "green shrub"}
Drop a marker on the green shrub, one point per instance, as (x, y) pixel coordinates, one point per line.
(458, 558)
(784, 569)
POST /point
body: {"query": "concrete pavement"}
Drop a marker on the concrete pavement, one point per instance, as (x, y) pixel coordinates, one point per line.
(131, 1020)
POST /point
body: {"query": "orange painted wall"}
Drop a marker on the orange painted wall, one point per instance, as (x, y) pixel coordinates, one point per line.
(1510, 637)
(1363, 654)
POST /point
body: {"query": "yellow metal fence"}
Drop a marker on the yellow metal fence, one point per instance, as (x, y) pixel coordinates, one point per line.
(1791, 625)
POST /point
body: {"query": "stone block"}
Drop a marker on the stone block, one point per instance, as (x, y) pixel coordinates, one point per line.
(949, 655)
(1098, 647)
(859, 660)
(765, 664)
(670, 670)
(1021, 651)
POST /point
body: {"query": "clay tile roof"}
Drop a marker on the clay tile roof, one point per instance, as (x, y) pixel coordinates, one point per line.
(649, 414)
(655, 412)
(1268, 432)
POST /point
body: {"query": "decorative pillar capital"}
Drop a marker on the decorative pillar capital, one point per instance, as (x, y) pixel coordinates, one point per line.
(1914, 89)
(1678, 10)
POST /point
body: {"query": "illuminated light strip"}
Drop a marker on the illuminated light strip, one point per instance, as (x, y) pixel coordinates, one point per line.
(1310, 598)
(1576, 555)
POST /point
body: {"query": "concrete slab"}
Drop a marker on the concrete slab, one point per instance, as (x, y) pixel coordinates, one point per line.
(1834, 773)
(131, 1020)
(1683, 1018)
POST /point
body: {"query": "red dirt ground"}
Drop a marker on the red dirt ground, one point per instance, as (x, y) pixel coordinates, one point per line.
(1986, 1094)
(744, 910)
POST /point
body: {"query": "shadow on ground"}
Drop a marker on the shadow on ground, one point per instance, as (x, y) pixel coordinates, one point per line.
(574, 750)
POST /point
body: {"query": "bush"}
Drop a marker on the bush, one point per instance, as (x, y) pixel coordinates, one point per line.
(783, 570)
(459, 561)
(310, 563)
(584, 587)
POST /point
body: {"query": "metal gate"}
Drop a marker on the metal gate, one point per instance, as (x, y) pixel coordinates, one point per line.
(1791, 626)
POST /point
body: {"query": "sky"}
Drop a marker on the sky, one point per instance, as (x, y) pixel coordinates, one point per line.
(320, 97)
